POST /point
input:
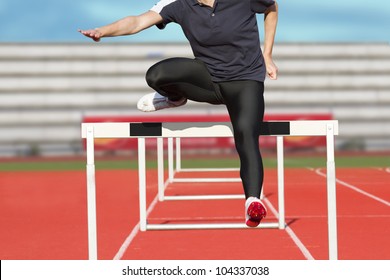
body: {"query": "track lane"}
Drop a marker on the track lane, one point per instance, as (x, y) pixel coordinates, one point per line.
(45, 218)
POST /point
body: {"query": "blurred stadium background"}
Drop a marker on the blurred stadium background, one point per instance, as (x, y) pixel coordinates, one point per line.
(334, 58)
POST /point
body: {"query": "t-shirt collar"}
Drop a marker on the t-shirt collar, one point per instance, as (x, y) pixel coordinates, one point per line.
(195, 2)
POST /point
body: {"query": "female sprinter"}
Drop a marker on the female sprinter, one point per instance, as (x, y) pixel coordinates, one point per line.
(228, 68)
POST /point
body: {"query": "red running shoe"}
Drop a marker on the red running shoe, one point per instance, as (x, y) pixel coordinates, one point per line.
(255, 211)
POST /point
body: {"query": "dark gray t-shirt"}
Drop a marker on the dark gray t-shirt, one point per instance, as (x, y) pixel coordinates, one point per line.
(225, 37)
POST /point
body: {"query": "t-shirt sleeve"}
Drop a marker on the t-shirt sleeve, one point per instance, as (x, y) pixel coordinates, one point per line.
(260, 6)
(168, 10)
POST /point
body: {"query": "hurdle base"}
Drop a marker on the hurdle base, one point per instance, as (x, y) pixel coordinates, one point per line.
(205, 180)
(209, 226)
(207, 169)
(203, 197)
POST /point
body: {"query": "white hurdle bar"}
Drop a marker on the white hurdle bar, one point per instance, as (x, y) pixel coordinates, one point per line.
(90, 131)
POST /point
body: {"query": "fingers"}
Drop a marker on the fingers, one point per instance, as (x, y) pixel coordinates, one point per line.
(91, 33)
(273, 74)
(85, 32)
(272, 69)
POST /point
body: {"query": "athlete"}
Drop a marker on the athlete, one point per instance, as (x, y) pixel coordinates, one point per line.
(229, 68)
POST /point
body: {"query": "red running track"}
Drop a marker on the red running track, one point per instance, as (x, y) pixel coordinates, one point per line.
(44, 216)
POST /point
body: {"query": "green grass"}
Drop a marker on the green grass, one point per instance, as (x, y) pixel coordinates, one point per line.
(269, 162)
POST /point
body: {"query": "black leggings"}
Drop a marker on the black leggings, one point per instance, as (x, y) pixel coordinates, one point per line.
(189, 78)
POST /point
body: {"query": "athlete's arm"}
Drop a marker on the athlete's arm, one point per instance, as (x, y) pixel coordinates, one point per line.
(126, 26)
(270, 23)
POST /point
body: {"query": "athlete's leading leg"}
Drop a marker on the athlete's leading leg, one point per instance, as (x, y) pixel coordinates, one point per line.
(176, 80)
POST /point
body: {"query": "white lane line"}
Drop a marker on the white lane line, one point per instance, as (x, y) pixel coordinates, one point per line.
(135, 231)
(382, 169)
(345, 184)
(127, 243)
(291, 233)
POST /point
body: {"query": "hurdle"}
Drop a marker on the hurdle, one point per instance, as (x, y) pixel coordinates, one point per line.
(172, 170)
(141, 131)
(178, 168)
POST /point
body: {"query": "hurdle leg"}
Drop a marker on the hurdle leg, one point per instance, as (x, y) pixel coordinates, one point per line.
(91, 196)
(160, 168)
(178, 154)
(170, 160)
(280, 157)
(331, 190)
(142, 183)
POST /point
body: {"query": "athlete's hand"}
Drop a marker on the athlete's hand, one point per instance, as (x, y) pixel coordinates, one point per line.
(94, 34)
(272, 69)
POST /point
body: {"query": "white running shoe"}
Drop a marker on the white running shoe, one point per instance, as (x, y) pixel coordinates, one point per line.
(155, 101)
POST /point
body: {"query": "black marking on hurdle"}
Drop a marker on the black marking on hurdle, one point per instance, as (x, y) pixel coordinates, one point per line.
(275, 128)
(155, 129)
(145, 129)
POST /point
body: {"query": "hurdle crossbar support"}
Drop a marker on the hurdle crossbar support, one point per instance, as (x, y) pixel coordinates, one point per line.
(208, 226)
(142, 182)
(331, 192)
(280, 162)
(160, 168)
(91, 195)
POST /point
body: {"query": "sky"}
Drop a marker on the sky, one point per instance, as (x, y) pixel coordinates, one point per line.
(299, 20)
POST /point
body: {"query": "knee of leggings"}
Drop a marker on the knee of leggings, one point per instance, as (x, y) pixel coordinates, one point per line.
(245, 142)
(151, 77)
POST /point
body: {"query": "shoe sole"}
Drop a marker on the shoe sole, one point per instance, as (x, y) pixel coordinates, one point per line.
(256, 212)
(156, 106)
